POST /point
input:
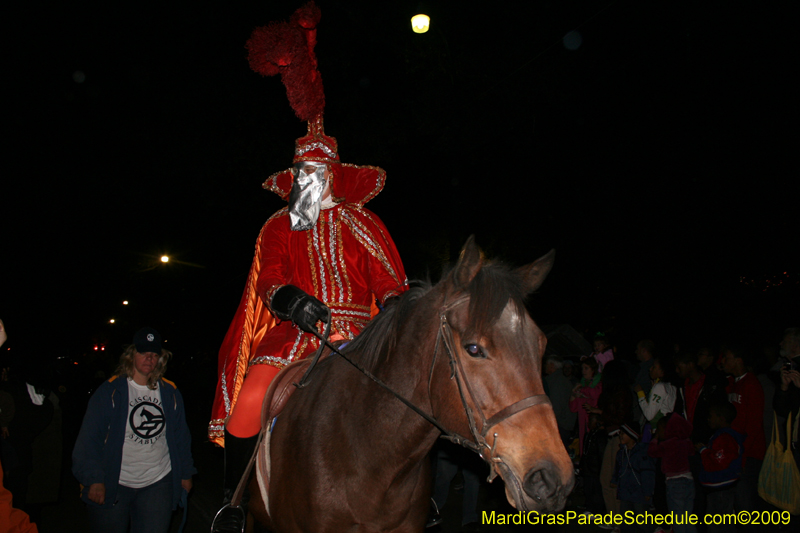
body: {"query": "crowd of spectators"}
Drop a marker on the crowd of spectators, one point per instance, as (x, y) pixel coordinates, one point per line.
(681, 428)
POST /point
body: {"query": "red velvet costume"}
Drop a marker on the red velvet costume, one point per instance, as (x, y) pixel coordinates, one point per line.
(347, 261)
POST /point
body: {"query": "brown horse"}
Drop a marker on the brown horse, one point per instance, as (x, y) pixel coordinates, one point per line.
(346, 455)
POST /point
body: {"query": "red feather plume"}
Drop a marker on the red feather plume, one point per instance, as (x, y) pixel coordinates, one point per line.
(288, 48)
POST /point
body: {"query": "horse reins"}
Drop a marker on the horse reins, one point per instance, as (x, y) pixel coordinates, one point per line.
(445, 333)
(456, 371)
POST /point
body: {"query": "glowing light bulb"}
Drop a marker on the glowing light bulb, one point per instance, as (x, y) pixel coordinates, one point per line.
(420, 23)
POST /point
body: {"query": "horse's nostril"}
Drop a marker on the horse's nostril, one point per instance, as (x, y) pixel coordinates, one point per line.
(542, 484)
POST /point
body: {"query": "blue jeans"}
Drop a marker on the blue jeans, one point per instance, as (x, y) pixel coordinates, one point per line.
(721, 502)
(680, 499)
(638, 509)
(145, 510)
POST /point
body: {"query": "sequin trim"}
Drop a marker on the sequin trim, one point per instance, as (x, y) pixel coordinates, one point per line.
(342, 264)
(363, 235)
(225, 397)
(332, 231)
(271, 293)
(216, 427)
(344, 312)
(270, 360)
(314, 282)
(313, 146)
(296, 342)
(320, 262)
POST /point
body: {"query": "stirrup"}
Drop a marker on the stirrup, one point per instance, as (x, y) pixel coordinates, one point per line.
(434, 518)
(230, 516)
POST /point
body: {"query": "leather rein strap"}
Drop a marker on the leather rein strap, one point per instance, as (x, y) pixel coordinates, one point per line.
(457, 371)
(445, 332)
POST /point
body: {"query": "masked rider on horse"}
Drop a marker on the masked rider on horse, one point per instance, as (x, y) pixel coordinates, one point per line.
(324, 251)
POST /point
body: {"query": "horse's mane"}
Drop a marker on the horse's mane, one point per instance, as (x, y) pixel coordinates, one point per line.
(380, 336)
(489, 291)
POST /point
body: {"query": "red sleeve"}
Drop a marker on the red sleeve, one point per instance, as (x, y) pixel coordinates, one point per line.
(656, 449)
(718, 457)
(274, 258)
(387, 277)
(593, 394)
(575, 405)
(12, 519)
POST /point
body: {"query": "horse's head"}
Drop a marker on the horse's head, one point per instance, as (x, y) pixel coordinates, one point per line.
(491, 392)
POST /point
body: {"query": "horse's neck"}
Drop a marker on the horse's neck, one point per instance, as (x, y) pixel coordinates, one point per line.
(382, 415)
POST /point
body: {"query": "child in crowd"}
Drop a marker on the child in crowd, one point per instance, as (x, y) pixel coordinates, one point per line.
(585, 394)
(661, 399)
(721, 462)
(594, 445)
(673, 446)
(602, 351)
(634, 476)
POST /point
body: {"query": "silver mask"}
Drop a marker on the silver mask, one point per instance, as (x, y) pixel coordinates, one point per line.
(306, 195)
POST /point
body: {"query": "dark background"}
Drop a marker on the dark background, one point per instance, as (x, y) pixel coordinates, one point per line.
(657, 157)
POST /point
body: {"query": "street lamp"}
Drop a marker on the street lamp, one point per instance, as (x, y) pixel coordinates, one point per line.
(164, 259)
(420, 23)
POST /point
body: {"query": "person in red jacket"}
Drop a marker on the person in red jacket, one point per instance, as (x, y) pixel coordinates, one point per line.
(673, 446)
(746, 394)
(11, 520)
(721, 463)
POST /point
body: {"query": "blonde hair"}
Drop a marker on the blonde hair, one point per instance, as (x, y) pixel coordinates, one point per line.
(125, 366)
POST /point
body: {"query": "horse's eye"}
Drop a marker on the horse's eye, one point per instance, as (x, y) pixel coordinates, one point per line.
(474, 351)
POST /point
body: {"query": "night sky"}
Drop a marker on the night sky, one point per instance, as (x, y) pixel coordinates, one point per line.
(652, 143)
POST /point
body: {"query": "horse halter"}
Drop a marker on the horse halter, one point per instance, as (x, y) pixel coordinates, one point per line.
(480, 446)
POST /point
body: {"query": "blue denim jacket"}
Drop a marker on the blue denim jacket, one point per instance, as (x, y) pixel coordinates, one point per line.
(97, 456)
(634, 474)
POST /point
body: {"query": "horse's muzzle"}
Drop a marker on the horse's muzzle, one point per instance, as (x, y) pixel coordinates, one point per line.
(544, 489)
(541, 488)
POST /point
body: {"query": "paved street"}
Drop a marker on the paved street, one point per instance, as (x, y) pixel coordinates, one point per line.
(69, 514)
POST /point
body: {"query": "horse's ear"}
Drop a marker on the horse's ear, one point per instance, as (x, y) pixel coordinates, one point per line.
(469, 263)
(533, 275)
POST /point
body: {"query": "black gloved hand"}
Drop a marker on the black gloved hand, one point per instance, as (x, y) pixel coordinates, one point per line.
(292, 303)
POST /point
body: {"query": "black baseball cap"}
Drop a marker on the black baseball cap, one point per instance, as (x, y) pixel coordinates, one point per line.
(147, 340)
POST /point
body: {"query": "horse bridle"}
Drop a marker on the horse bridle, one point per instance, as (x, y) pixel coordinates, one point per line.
(480, 446)
(445, 337)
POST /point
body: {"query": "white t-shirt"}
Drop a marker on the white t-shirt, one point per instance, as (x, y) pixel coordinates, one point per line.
(145, 455)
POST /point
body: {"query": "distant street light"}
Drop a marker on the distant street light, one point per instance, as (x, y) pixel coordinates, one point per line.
(111, 321)
(164, 259)
(420, 23)
(125, 302)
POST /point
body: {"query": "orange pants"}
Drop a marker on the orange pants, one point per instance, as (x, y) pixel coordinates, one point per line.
(245, 420)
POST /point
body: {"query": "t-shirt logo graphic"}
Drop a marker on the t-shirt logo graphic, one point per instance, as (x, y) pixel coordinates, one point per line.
(147, 420)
